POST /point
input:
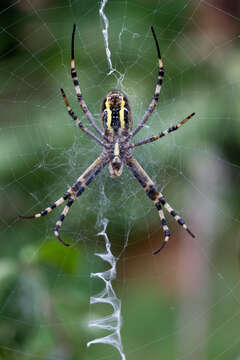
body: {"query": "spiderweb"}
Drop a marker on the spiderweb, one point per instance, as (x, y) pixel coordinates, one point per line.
(182, 304)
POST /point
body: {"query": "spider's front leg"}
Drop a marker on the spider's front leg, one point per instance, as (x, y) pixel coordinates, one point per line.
(155, 99)
(82, 103)
(157, 198)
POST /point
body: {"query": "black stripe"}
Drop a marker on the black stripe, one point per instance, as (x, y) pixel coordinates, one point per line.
(70, 202)
(53, 206)
(158, 206)
(161, 134)
(73, 36)
(164, 222)
(66, 196)
(61, 217)
(167, 232)
(172, 128)
(44, 212)
(152, 192)
(162, 200)
(173, 213)
(181, 222)
(139, 178)
(79, 191)
(75, 82)
(126, 120)
(90, 179)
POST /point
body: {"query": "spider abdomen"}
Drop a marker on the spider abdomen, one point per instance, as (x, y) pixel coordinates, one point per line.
(116, 117)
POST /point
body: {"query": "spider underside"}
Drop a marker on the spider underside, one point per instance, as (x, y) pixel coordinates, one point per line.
(114, 136)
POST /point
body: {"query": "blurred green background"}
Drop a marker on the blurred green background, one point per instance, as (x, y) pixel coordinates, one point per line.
(183, 303)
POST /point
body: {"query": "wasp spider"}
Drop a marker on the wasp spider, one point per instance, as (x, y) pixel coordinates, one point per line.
(114, 137)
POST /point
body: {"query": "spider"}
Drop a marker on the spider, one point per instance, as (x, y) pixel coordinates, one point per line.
(114, 136)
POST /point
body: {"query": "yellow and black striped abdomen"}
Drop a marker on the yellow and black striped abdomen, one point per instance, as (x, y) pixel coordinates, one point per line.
(116, 117)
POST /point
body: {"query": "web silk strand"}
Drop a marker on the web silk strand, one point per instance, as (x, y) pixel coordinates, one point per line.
(105, 35)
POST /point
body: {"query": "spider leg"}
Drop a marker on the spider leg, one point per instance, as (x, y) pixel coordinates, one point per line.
(165, 229)
(79, 122)
(82, 182)
(157, 198)
(161, 134)
(48, 209)
(154, 102)
(91, 170)
(82, 103)
(61, 218)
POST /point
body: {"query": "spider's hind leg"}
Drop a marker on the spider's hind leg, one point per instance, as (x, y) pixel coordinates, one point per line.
(73, 192)
(165, 229)
(161, 200)
(82, 183)
(62, 217)
(157, 198)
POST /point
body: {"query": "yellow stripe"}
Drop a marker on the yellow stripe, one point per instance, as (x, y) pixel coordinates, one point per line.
(121, 113)
(109, 115)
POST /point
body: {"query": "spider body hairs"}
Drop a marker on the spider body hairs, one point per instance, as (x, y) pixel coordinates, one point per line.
(114, 137)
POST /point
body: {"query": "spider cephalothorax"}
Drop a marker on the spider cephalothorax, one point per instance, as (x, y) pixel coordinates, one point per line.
(116, 154)
(115, 137)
